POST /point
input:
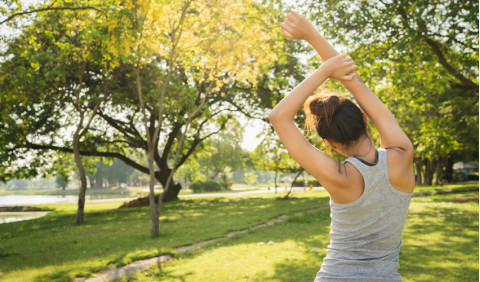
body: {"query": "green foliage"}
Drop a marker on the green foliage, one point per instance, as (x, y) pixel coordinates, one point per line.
(222, 153)
(205, 186)
(62, 181)
(250, 177)
(213, 59)
(225, 183)
(300, 182)
(421, 58)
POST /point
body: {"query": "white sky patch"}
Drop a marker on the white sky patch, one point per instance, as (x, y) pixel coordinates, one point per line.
(252, 128)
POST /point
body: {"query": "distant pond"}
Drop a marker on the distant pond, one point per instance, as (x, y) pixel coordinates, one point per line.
(6, 217)
(27, 200)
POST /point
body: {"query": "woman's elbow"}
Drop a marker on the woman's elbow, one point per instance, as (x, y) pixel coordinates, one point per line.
(273, 116)
(409, 149)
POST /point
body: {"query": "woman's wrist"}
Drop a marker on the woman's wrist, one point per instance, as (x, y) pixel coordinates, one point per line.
(314, 37)
(324, 71)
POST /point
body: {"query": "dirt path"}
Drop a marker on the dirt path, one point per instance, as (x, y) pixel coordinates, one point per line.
(142, 265)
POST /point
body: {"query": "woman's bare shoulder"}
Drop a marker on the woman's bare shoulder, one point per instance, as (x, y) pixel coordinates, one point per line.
(400, 169)
(351, 189)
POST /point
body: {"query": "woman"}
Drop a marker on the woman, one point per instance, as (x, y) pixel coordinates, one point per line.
(371, 191)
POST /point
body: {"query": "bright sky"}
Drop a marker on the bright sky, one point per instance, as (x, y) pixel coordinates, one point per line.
(252, 129)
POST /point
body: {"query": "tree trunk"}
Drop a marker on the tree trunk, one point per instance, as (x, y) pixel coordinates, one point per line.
(440, 172)
(430, 167)
(172, 193)
(291, 186)
(418, 176)
(154, 231)
(275, 180)
(91, 179)
(98, 181)
(449, 170)
(83, 177)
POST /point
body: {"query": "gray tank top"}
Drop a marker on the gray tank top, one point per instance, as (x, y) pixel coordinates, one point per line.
(366, 234)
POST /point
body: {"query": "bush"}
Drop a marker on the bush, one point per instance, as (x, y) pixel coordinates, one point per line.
(300, 182)
(205, 186)
(212, 185)
(196, 186)
(226, 185)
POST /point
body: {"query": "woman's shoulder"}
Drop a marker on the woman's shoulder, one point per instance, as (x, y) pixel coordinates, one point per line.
(353, 190)
(400, 169)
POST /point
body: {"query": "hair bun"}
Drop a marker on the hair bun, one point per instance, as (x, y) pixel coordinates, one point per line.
(325, 107)
(335, 118)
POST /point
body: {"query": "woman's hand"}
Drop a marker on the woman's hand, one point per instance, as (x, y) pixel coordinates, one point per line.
(297, 27)
(340, 67)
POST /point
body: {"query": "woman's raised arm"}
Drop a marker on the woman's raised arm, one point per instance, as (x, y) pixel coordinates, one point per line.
(320, 165)
(391, 135)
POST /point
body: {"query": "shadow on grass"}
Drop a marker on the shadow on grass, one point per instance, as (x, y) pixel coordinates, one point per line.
(108, 237)
(460, 199)
(303, 260)
(440, 244)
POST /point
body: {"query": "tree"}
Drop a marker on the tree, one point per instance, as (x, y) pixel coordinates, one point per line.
(421, 57)
(62, 181)
(223, 152)
(225, 61)
(271, 155)
(72, 51)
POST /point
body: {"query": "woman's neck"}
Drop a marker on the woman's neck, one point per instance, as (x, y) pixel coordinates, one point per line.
(365, 150)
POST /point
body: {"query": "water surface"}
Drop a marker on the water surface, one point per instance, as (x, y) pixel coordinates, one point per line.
(27, 200)
(6, 217)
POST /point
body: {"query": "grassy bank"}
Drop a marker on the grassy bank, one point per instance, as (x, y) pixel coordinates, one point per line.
(440, 240)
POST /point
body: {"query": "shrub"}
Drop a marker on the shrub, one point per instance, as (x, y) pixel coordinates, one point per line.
(212, 185)
(196, 186)
(300, 182)
(226, 185)
(205, 186)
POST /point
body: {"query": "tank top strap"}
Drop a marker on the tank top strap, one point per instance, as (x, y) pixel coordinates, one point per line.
(369, 170)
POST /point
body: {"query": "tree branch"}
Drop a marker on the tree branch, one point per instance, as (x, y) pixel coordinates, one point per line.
(125, 159)
(116, 124)
(49, 9)
(438, 52)
(441, 58)
(198, 141)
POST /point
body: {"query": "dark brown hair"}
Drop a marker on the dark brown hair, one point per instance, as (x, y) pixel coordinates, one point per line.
(335, 118)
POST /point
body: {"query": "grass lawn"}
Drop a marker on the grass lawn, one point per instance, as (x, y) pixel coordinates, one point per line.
(440, 240)
(440, 243)
(54, 248)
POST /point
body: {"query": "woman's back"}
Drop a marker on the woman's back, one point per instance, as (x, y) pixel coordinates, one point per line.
(368, 213)
(366, 233)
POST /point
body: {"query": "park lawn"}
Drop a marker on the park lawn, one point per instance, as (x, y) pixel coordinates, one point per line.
(440, 243)
(53, 248)
(441, 240)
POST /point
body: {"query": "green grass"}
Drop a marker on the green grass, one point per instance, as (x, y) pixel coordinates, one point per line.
(54, 248)
(440, 240)
(434, 188)
(440, 243)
